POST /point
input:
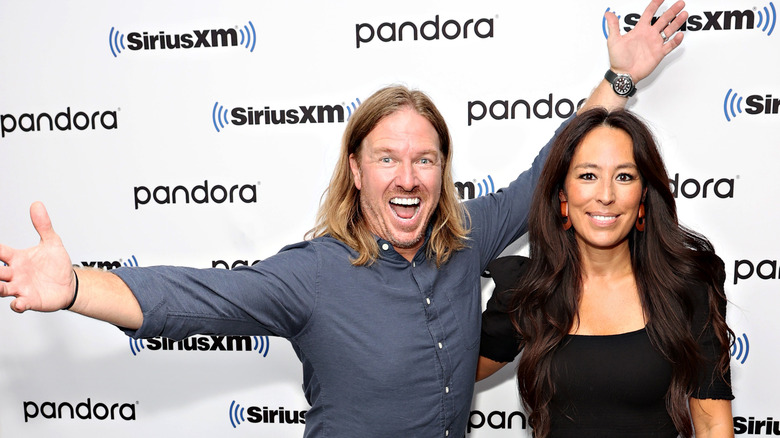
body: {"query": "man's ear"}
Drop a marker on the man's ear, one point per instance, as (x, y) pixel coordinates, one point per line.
(355, 168)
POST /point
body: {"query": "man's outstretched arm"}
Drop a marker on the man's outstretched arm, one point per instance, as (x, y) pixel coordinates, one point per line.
(42, 278)
(638, 52)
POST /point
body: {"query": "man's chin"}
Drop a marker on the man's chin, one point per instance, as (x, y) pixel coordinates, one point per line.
(406, 242)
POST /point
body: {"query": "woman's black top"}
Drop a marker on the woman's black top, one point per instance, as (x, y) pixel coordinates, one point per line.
(605, 386)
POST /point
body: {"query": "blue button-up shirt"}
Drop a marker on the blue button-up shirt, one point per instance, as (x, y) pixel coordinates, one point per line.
(388, 350)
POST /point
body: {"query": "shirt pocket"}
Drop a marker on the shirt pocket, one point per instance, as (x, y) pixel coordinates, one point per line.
(465, 308)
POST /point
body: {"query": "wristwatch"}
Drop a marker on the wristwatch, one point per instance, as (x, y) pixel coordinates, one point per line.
(622, 84)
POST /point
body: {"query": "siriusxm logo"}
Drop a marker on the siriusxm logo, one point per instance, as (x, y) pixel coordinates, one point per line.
(754, 104)
(496, 420)
(200, 194)
(751, 426)
(255, 414)
(428, 30)
(474, 189)
(543, 108)
(83, 411)
(260, 344)
(108, 264)
(765, 270)
(62, 121)
(762, 19)
(311, 114)
(740, 349)
(206, 38)
(693, 188)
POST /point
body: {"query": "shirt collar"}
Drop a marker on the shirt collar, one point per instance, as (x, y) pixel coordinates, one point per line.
(387, 251)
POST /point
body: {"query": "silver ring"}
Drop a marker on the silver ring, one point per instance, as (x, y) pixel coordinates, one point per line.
(663, 35)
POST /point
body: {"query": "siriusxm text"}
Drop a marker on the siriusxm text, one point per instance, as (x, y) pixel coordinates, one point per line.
(751, 426)
(300, 115)
(196, 39)
(256, 414)
(711, 20)
(201, 343)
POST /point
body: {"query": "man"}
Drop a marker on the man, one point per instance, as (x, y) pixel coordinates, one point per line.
(382, 304)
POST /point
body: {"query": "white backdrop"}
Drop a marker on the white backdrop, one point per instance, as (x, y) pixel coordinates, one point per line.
(129, 120)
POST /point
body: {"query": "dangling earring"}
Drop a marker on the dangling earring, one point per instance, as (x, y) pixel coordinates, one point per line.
(565, 214)
(640, 218)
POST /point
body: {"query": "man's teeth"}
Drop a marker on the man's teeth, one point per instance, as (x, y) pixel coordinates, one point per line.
(405, 201)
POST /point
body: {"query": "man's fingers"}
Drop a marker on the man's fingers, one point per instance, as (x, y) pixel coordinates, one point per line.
(6, 274)
(670, 15)
(676, 24)
(649, 12)
(673, 43)
(6, 254)
(18, 305)
(613, 26)
(42, 222)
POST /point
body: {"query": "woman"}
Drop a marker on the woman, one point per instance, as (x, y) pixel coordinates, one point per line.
(620, 311)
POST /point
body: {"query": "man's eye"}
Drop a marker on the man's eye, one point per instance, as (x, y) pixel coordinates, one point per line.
(385, 160)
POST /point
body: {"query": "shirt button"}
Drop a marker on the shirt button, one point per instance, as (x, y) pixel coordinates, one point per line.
(428, 301)
(440, 346)
(414, 264)
(447, 432)
(385, 246)
(447, 389)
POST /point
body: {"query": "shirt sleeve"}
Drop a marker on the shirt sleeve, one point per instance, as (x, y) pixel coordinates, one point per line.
(712, 383)
(499, 340)
(273, 297)
(500, 218)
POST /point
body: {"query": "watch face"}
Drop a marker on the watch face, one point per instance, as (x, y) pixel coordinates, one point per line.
(622, 85)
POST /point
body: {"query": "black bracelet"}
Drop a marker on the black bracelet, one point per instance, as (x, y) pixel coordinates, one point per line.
(75, 293)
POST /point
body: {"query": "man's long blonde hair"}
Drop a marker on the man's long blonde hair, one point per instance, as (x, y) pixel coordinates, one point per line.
(340, 215)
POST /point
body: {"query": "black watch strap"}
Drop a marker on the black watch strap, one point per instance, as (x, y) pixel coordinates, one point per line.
(622, 84)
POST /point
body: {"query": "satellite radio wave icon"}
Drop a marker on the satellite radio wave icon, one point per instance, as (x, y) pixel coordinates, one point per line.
(740, 349)
(769, 14)
(116, 42)
(249, 35)
(219, 116)
(351, 108)
(136, 345)
(262, 345)
(484, 187)
(131, 262)
(236, 414)
(732, 104)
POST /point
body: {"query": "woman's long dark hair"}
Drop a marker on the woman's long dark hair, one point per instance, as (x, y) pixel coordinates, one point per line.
(666, 257)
